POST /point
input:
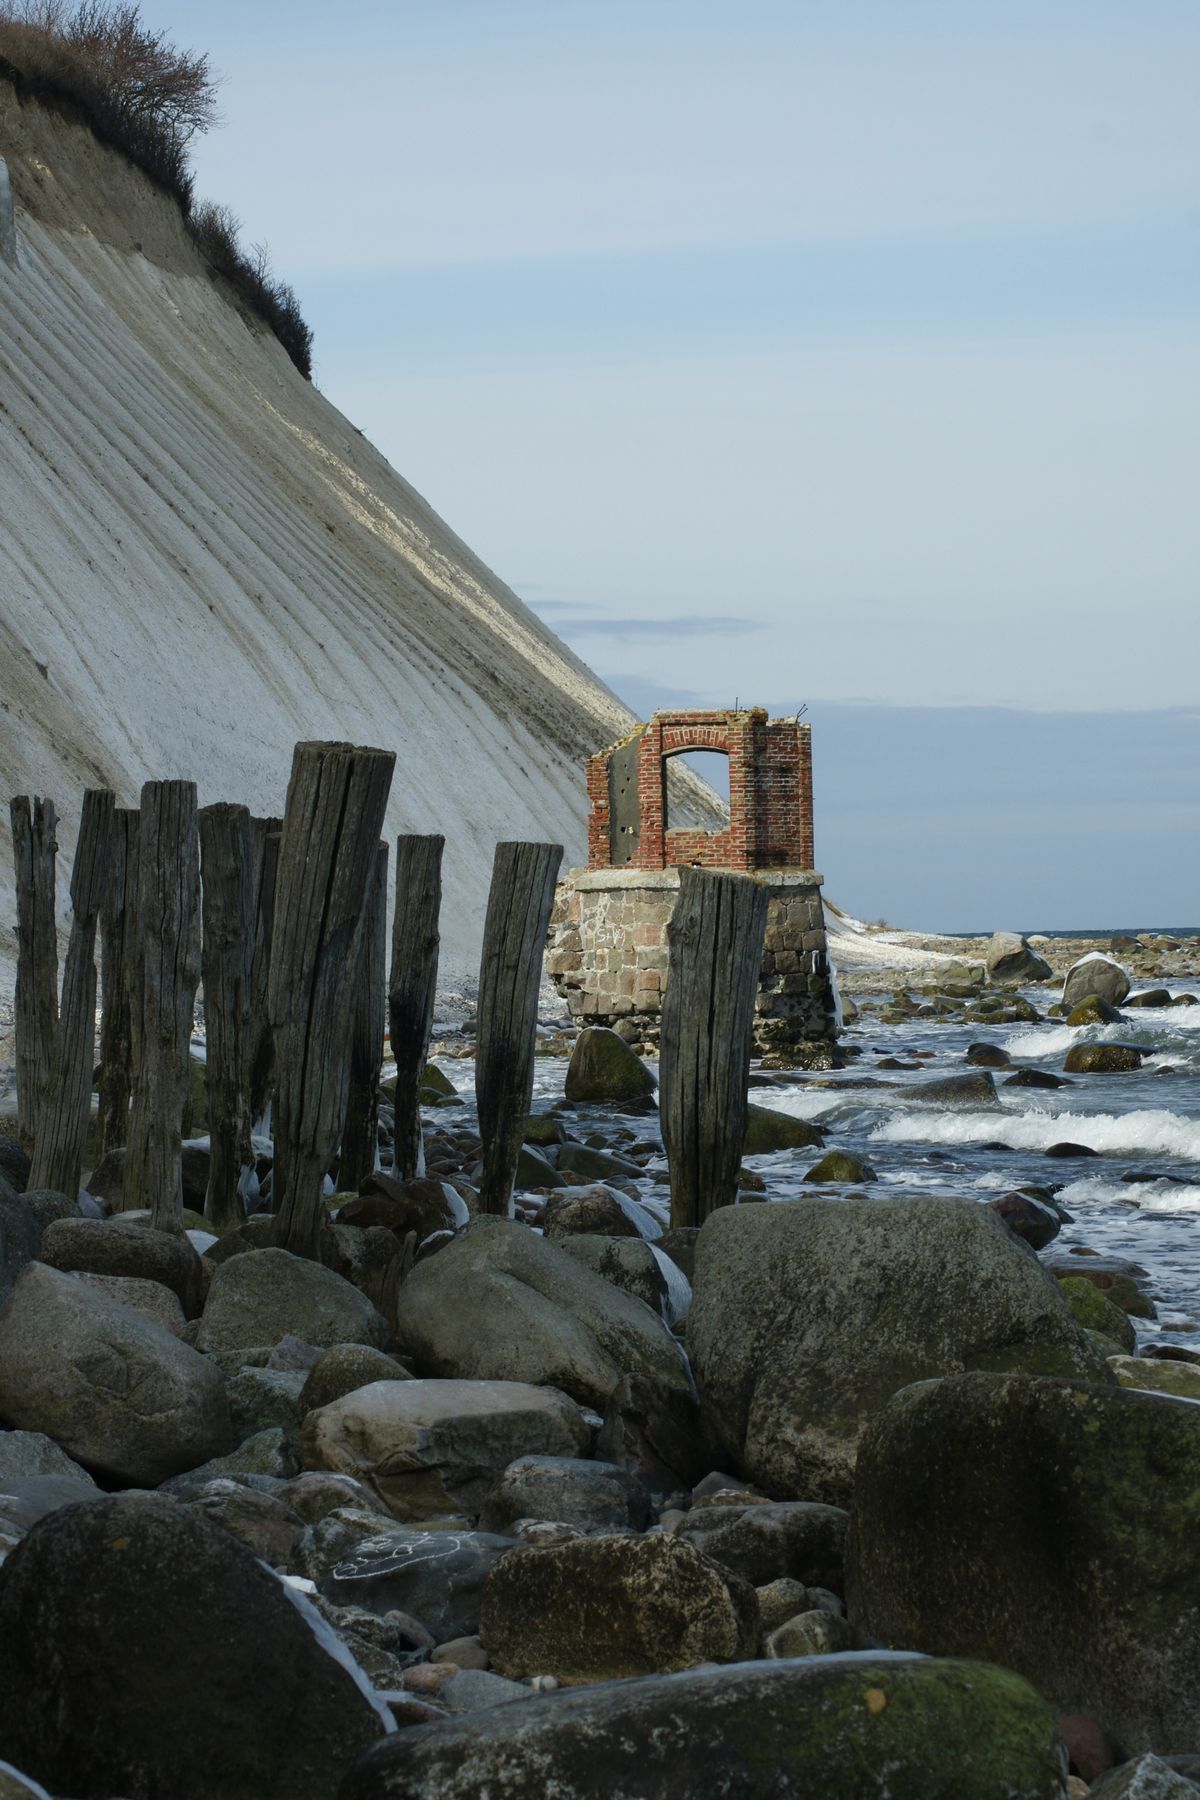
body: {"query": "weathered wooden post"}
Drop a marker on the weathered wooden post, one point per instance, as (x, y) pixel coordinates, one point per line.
(360, 1134)
(510, 974)
(118, 959)
(335, 805)
(36, 1008)
(716, 946)
(262, 1040)
(228, 883)
(163, 997)
(60, 1135)
(412, 986)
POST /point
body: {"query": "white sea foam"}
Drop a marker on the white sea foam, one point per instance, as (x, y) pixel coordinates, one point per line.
(1146, 1196)
(1144, 1025)
(805, 1102)
(1157, 1132)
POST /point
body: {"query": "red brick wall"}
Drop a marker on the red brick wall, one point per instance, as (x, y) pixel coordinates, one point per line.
(770, 794)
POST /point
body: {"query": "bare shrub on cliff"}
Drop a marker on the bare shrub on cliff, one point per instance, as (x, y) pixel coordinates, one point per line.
(148, 98)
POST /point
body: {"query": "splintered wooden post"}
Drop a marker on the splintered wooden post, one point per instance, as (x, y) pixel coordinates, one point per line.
(163, 997)
(360, 1134)
(412, 986)
(62, 1124)
(716, 945)
(510, 975)
(118, 955)
(36, 997)
(336, 800)
(228, 879)
(262, 1040)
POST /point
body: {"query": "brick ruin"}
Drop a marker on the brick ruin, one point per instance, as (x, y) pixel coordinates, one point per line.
(607, 955)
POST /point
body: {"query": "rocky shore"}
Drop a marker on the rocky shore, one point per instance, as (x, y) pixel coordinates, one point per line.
(853, 1494)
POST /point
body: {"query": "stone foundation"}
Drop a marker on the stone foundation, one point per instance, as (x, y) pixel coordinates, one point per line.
(607, 957)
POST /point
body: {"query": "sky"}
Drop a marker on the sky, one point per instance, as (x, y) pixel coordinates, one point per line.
(832, 352)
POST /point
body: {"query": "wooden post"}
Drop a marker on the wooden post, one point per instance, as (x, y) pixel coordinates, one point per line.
(60, 1135)
(716, 945)
(262, 1042)
(116, 948)
(412, 987)
(335, 805)
(163, 997)
(510, 975)
(360, 1134)
(228, 878)
(36, 1008)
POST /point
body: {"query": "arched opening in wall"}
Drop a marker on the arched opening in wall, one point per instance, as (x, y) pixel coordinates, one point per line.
(696, 791)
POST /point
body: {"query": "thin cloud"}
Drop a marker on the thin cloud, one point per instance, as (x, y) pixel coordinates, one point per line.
(683, 625)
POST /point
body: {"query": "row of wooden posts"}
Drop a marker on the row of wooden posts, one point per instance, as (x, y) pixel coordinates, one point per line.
(285, 923)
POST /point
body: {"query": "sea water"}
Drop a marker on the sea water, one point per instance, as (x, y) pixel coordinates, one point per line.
(1144, 1124)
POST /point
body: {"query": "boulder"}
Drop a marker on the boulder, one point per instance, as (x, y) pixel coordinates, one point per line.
(1048, 1525)
(850, 1728)
(598, 1608)
(1095, 974)
(655, 1430)
(15, 1164)
(768, 1130)
(796, 1540)
(423, 1205)
(28, 1498)
(15, 1786)
(1027, 1217)
(987, 1056)
(535, 1170)
(46, 1205)
(604, 1070)
(1010, 960)
(120, 1394)
(585, 1163)
(1148, 997)
(596, 1496)
(265, 1400)
(32, 1453)
(264, 1523)
(1093, 1011)
(977, 1089)
(1035, 1078)
(1149, 1778)
(1117, 1279)
(630, 1264)
(1102, 1059)
(816, 1633)
(259, 1296)
(428, 1448)
(809, 1314)
(840, 1166)
(343, 1368)
(120, 1247)
(270, 1453)
(1096, 1312)
(435, 1576)
(144, 1652)
(499, 1303)
(20, 1239)
(1157, 1375)
(595, 1209)
(151, 1299)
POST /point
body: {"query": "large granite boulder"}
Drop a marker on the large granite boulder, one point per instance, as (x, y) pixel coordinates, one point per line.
(1010, 961)
(32, 1453)
(144, 1652)
(357, 1559)
(1049, 1525)
(794, 1539)
(597, 1496)
(840, 1728)
(603, 1069)
(501, 1304)
(120, 1394)
(1095, 974)
(768, 1130)
(122, 1247)
(596, 1608)
(809, 1314)
(262, 1295)
(428, 1448)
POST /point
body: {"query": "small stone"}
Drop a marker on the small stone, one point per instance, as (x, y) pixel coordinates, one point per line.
(816, 1633)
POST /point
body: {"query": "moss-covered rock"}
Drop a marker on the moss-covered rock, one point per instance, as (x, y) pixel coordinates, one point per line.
(603, 1069)
(840, 1166)
(816, 1633)
(1102, 1059)
(1052, 1526)
(436, 1084)
(808, 1315)
(1093, 1011)
(1158, 1375)
(1096, 1312)
(768, 1131)
(597, 1608)
(858, 1728)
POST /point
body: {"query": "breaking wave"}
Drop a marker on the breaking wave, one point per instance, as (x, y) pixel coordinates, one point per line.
(1154, 1133)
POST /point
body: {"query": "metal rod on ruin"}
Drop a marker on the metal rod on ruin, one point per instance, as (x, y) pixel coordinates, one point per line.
(716, 946)
(60, 1134)
(514, 938)
(229, 906)
(36, 1008)
(360, 1133)
(412, 986)
(163, 997)
(262, 1041)
(118, 958)
(336, 800)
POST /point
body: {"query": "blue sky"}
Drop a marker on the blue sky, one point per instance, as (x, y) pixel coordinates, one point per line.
(840, 351)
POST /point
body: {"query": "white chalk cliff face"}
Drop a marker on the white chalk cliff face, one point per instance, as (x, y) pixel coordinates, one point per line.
(202, 561)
